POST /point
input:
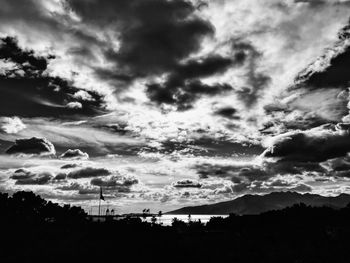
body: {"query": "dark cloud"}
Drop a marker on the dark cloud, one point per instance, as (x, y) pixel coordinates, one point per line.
(154, 34)
(227, 112)
(22, 174)
(183, 96)
(87, 172)
(335, 75)
(312, 3)
(28, 91)
(186, 195)
(9, 50)
(339, 167)
(156, 38)
(182, 87)
(26, 177)
(344, 34)
(322, 3)
(118, 183)
(339, 164)
(60, 177)
(187, 184)
(315, 145)
(253, 173)
(74, 154)
(37, 146)
(69, 166)
(37, 179)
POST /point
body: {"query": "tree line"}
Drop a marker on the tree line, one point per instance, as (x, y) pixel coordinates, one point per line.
(36, 230)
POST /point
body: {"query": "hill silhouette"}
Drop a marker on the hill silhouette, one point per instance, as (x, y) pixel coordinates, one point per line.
(256, 204)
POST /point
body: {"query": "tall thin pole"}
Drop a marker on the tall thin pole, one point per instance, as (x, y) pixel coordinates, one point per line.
(99, 207)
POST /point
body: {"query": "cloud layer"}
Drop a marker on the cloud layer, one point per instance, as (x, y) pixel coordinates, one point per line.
(163, 103)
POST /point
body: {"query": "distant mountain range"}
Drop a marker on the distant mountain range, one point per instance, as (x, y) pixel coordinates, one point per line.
(256, 204)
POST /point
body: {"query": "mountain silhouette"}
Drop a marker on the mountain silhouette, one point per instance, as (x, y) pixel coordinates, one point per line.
(256, 204)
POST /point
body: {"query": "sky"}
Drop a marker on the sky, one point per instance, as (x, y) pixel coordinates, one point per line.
(171, 103)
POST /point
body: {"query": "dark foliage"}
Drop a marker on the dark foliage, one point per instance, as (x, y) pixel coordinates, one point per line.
(35, 230)
(28, 209)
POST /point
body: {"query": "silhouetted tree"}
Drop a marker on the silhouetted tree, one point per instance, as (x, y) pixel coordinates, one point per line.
(160, 214)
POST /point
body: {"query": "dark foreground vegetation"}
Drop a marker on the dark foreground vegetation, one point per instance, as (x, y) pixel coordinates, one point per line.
(34, 230)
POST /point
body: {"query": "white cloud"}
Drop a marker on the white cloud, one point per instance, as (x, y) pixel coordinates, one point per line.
(74, 105)
(83, 95)
(11, 125)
